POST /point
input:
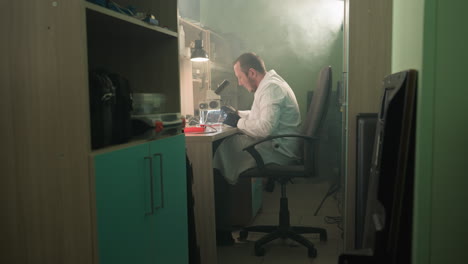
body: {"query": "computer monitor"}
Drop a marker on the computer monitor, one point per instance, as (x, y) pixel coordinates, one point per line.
(389, 210)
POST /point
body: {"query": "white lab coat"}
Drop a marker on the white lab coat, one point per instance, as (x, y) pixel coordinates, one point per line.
(274, 112)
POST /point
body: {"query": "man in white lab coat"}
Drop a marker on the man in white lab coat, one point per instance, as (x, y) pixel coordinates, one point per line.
(274, 112)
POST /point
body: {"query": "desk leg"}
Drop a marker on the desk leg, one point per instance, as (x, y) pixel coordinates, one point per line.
(200, 155)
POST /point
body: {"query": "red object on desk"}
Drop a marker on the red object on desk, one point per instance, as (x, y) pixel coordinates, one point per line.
(158, 126)
(194, 129)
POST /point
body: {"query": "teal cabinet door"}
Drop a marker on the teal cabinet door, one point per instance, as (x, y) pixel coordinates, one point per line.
(141, 203)
(123, 206)
(171, 232)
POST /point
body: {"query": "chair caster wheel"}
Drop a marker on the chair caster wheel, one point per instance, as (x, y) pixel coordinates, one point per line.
(312, 252)
(259, 251)
(323, 237)
(243, 235)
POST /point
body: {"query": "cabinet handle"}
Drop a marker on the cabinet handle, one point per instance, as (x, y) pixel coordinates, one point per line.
(161, 178)
(151, 186)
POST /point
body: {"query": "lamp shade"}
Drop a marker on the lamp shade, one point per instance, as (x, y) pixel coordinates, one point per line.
(198, 53)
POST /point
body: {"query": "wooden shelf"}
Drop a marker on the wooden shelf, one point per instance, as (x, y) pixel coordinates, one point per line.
(128, 19)
(60, 45)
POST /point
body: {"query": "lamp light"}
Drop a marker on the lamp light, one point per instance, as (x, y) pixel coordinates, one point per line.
(198, 53)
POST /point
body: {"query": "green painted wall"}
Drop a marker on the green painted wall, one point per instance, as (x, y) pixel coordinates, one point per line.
(407, 52)
(450, 181)
(296, 38)
(407, 34)
(441, 230)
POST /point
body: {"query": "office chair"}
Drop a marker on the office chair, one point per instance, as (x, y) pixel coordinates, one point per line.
(283, 174)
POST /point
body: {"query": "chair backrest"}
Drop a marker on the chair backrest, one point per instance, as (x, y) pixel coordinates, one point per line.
(316, 115)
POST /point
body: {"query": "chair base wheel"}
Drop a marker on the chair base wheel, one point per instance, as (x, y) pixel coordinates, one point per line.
(312, 252)
(323, 237)
(259, 251)
(243, 235)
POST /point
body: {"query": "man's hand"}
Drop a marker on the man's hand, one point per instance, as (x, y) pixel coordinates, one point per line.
(231, 119)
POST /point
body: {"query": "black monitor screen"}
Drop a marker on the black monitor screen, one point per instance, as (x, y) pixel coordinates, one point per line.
(389, 206)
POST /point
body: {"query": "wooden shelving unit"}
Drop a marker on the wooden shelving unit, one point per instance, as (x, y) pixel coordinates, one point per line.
(47, 177)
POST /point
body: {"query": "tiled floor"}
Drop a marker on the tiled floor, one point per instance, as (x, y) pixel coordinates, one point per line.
(304, 197)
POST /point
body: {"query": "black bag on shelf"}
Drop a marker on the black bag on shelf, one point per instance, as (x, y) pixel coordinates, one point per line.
(121, 119)
(102, 103)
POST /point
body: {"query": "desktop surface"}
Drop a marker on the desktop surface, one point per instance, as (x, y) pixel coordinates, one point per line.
(219, 132)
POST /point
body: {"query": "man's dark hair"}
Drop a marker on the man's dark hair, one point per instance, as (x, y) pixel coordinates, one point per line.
(250, 60)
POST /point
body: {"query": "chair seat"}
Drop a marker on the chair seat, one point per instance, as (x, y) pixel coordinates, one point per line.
(276, 172)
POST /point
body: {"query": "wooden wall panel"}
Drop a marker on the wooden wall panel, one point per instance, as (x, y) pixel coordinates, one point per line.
(370, 24)
(44, 162)
(9, 230)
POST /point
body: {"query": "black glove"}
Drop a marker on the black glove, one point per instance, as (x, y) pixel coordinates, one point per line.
(228, 109)
(231, 119)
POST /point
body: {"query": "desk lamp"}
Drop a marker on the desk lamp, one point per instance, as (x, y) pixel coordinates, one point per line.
(198, 53)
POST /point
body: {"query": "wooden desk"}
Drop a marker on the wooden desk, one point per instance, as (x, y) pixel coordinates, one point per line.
(199, 150)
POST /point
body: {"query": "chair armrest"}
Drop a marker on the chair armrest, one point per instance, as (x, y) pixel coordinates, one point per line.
(256, 155)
